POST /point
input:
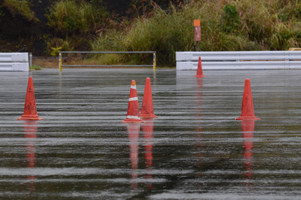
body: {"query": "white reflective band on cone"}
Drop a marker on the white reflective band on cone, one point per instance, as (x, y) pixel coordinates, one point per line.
(133, 99)
(132, 117)
(133, 87)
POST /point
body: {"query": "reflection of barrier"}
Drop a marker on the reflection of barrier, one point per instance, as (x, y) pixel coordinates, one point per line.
(133, 135)
(106, 52)
(248, 129)
(30, 130)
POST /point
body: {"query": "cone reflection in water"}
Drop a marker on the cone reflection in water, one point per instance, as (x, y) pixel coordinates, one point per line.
(198, 128)
(199, 72)
(247, 109)
(248, 129)
(198, 153)
(30, 108)
(199, 82)
(133, 106)
(147, 110)
(147, 129)
(30, 130)
(133, 135)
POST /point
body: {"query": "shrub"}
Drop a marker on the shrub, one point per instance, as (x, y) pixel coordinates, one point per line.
(21, 7)
(70, 16)
(55, 45)
(34, 67)
(226, 26)
(169, 31)
(231, 20)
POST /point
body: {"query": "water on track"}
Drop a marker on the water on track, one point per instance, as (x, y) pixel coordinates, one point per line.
(194, 150)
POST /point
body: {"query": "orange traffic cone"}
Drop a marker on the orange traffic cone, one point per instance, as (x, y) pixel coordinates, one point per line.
(133, 107)
(30, 108)
(247, 110)
(199, 73)
(147, 110)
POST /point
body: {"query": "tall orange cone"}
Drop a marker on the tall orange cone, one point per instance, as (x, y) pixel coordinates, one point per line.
(247, 110)
(147, 110)
(30, 108)
(199, 73)
(133, 107)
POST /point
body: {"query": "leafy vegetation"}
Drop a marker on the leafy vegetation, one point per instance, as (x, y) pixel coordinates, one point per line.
(69, 16)
(231, 19)
(169, 31)
(34, 67)
(230, 26)
(21, 7)
(227, 25)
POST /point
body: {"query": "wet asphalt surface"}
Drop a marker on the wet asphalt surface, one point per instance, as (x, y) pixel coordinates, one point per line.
(194, 150)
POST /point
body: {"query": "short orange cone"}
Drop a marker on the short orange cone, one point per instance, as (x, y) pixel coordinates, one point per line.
(199, 73)
(30, 108)
(147, 110)
(133, 107)
(247, 110)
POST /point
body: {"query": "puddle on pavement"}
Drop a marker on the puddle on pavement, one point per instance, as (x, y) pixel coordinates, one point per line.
(194, 150)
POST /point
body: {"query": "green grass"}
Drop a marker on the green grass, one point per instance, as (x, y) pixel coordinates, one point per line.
(34, 67)
(227, 25)
(77, 21)
(259, 25)
(69, 16)
(21, 7)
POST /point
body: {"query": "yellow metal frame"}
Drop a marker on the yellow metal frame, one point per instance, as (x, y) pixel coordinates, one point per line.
(60, 62)
(154, 62)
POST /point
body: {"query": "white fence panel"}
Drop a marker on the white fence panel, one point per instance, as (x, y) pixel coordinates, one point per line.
(13, 57)
(14, 62)
(240, 65)
(239, 60)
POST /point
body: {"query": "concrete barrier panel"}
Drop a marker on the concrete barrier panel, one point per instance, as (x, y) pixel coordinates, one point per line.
(239, 60)
(22, 67)
(14, 62)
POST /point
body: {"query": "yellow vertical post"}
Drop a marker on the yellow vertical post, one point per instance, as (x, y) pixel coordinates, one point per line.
(154, 61)
(60, 62)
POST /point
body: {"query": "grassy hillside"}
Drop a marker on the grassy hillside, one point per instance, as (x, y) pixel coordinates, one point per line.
(159, 26)
(226, 26)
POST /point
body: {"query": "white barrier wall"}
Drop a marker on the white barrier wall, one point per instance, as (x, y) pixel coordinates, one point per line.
(216, 60)
(14, 62)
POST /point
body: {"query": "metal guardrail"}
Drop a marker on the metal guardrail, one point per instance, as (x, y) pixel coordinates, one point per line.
(14, 62)
(239, 60)
(106, 52)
